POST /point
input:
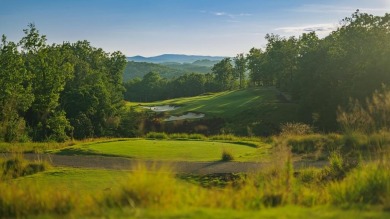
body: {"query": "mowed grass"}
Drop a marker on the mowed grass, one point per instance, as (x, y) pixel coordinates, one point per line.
(173, 150)
(258, 111)
(75, 179)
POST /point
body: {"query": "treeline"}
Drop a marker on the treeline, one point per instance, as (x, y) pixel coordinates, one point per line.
(53, 92)
(225, 75)
(323, 74)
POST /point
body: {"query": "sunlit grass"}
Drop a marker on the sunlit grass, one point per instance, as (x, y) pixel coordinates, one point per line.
(155, 192)
(224, 104)
(172, 150)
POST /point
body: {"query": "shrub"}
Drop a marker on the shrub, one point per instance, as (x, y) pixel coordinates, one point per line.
(312, 143)
(296, 129)
(157, 135)
(197, 137)
(223, 137)
(149, 187)
(369, 184)
(178, 136)
(227, 155)
(17, 167)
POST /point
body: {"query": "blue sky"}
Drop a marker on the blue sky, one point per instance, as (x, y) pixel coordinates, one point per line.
(153, 27)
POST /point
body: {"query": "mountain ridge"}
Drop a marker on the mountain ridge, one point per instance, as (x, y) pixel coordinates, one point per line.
(178, 58)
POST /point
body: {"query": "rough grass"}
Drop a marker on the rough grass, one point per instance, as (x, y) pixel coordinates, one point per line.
(167, 150)
(16, 166)
(157, 193)
(144, 191)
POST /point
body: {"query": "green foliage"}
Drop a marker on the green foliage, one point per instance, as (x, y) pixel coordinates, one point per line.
(240, 68)
(225, 137)
(371, 117)
(57, 90)
(157, 135)
(295, 129)
(224, 74)
(179, 136)
(367, 185)
(17, 166)
(314, 142)
(153, 87)
(15, 94)
(140, 69)
(196, 137)
(322, 74)
(227, 155)
(167, 70)
(141, 190)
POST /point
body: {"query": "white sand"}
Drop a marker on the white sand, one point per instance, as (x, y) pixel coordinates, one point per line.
(161, 108)
(185, 116)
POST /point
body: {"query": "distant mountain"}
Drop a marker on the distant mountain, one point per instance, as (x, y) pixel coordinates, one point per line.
(174, 58)
(139, 69)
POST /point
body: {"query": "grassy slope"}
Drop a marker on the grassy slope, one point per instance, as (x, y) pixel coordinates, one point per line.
(167, 150)
(240, 108)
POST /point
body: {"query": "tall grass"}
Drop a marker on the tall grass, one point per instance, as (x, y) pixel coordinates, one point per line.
(17, 166)
(157, 135)
(158, 188)
(369, 184)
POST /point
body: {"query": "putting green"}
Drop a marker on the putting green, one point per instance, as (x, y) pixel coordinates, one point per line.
(168, 150)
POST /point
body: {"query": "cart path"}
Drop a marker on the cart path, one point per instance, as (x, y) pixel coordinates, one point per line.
(120, 163)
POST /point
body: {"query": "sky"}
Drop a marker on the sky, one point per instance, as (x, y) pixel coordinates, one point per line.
(192, 27)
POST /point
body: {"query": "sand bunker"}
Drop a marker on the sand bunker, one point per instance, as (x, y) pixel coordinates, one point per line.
(161, 108)
(185, 116)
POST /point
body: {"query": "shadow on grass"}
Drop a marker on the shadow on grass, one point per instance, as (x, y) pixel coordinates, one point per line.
(249, 144)
(86, 152)
(76, 151)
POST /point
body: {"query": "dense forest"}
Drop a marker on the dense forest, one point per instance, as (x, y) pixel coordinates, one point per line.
(53, 92)
(73, 90)
(320, 74)
(167, 70)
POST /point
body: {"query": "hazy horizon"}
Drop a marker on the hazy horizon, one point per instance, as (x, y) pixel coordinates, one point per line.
(150, 28)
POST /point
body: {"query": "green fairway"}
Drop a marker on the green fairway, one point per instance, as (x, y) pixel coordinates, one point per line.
(258, 111)
(223, 104)
(75, 179)
(167, 150)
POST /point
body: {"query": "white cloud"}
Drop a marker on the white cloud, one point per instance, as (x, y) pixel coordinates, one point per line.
(309, 28)
(219, 13)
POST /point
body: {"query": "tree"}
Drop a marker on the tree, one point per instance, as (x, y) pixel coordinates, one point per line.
(93, 98)
(240, 68)
(224, 74)
(349, 63)
(50, 69)
(15, 92)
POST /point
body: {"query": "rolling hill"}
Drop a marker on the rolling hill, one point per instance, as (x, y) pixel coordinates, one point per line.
(139, 69)
(167, 69)
(173, 58)
(254, 110)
